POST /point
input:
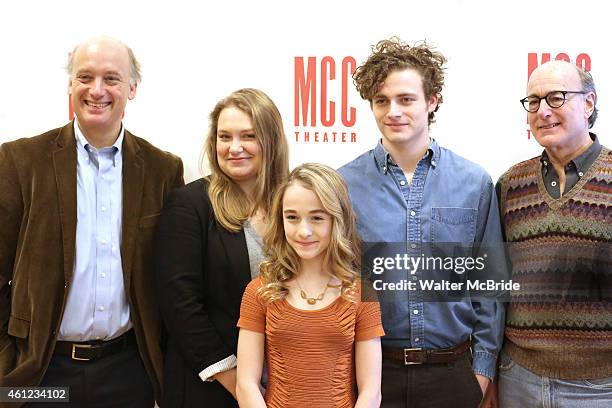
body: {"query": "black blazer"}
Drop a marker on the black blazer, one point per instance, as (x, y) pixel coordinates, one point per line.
(202, 270)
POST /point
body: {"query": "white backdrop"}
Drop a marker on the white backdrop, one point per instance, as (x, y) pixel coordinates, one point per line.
(193, 54)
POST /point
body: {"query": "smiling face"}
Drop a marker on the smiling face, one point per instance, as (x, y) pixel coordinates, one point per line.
(401, 111)
(565, 127)
(238, 150)
(307, 225)
(100, 87)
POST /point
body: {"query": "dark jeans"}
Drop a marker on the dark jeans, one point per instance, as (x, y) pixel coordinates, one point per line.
(452, 385)
(118, 380)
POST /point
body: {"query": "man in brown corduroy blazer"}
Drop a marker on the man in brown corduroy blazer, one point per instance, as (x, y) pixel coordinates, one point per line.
(78, 207)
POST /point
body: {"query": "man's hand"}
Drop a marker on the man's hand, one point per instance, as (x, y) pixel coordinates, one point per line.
(483, 382)
(490, 398)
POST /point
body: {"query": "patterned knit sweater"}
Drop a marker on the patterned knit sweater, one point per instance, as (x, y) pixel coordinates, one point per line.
(560, 323)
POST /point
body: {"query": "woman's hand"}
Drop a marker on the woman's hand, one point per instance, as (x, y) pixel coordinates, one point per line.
(228, 380)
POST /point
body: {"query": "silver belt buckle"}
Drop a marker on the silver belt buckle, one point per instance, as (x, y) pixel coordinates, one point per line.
(75, 346)
(408, 350)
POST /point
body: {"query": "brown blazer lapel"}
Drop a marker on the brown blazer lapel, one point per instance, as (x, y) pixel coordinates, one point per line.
(133, 185)
(65, 167)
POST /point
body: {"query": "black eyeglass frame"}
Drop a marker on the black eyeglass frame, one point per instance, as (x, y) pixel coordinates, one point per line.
(525, 99)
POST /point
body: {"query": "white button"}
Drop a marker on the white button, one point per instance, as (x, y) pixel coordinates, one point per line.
(433, 162)
(412, 246)
(412, 213)
(414, 277)
(103, 242)
(580, 174)
(416, 339)
(554, 183)
(103, 275)
(103, 208)
(415, 311)
(101, 308)
(402, 183)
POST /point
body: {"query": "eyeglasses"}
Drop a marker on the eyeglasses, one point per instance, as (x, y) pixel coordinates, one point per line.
(554, 99)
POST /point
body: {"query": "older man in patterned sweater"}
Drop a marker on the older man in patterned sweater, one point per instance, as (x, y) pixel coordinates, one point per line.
(557, 215)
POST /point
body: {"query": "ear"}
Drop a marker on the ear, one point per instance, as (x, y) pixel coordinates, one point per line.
(132, 93)
(432, 103)
(589, 104)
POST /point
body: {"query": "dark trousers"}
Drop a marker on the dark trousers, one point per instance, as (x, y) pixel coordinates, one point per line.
(451, 385)
(118, 380)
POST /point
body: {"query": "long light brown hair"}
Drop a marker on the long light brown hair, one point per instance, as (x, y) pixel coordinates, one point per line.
(342, 256)
(231, 206)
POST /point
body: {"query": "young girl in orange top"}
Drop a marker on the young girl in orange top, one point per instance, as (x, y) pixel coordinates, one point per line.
(306, 307)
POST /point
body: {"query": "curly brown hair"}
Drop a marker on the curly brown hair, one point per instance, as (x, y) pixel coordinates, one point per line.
(394, 55)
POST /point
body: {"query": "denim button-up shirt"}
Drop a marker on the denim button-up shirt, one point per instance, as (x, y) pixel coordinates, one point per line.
(449, 200)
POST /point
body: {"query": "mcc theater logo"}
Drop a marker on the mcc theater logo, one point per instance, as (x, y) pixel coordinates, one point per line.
(322, 112)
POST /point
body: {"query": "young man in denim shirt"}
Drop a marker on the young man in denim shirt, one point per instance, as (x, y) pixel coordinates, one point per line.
(410, 190)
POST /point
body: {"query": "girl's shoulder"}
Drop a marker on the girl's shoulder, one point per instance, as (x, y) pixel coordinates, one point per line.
(254, 286)
(256, 289)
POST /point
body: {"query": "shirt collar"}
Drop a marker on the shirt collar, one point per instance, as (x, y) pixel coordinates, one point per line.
(82, 142)
(384, 160)
(584, 160)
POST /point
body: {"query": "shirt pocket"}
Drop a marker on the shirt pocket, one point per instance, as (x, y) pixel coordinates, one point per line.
(453, 224)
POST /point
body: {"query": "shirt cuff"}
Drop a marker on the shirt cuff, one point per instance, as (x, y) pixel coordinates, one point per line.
(223, 365)
(484, 364)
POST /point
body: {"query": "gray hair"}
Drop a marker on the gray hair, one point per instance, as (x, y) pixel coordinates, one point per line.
(135, 76)
(588, 85)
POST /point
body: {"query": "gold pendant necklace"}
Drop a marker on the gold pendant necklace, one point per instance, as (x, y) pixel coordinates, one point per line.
(312, 300)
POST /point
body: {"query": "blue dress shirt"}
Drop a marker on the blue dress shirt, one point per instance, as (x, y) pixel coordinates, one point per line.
(450, 200)
(97, 307)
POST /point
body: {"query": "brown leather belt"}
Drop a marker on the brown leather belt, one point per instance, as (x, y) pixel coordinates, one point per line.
(410, 356)
(93, 350)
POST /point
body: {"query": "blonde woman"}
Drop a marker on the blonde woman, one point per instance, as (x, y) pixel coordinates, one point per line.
(306, 308)
(209, 248)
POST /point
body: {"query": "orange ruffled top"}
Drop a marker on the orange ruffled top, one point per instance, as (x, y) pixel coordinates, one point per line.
(310, 352)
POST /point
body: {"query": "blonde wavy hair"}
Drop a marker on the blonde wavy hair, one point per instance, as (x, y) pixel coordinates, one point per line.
(343, 255)
(230, 205)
